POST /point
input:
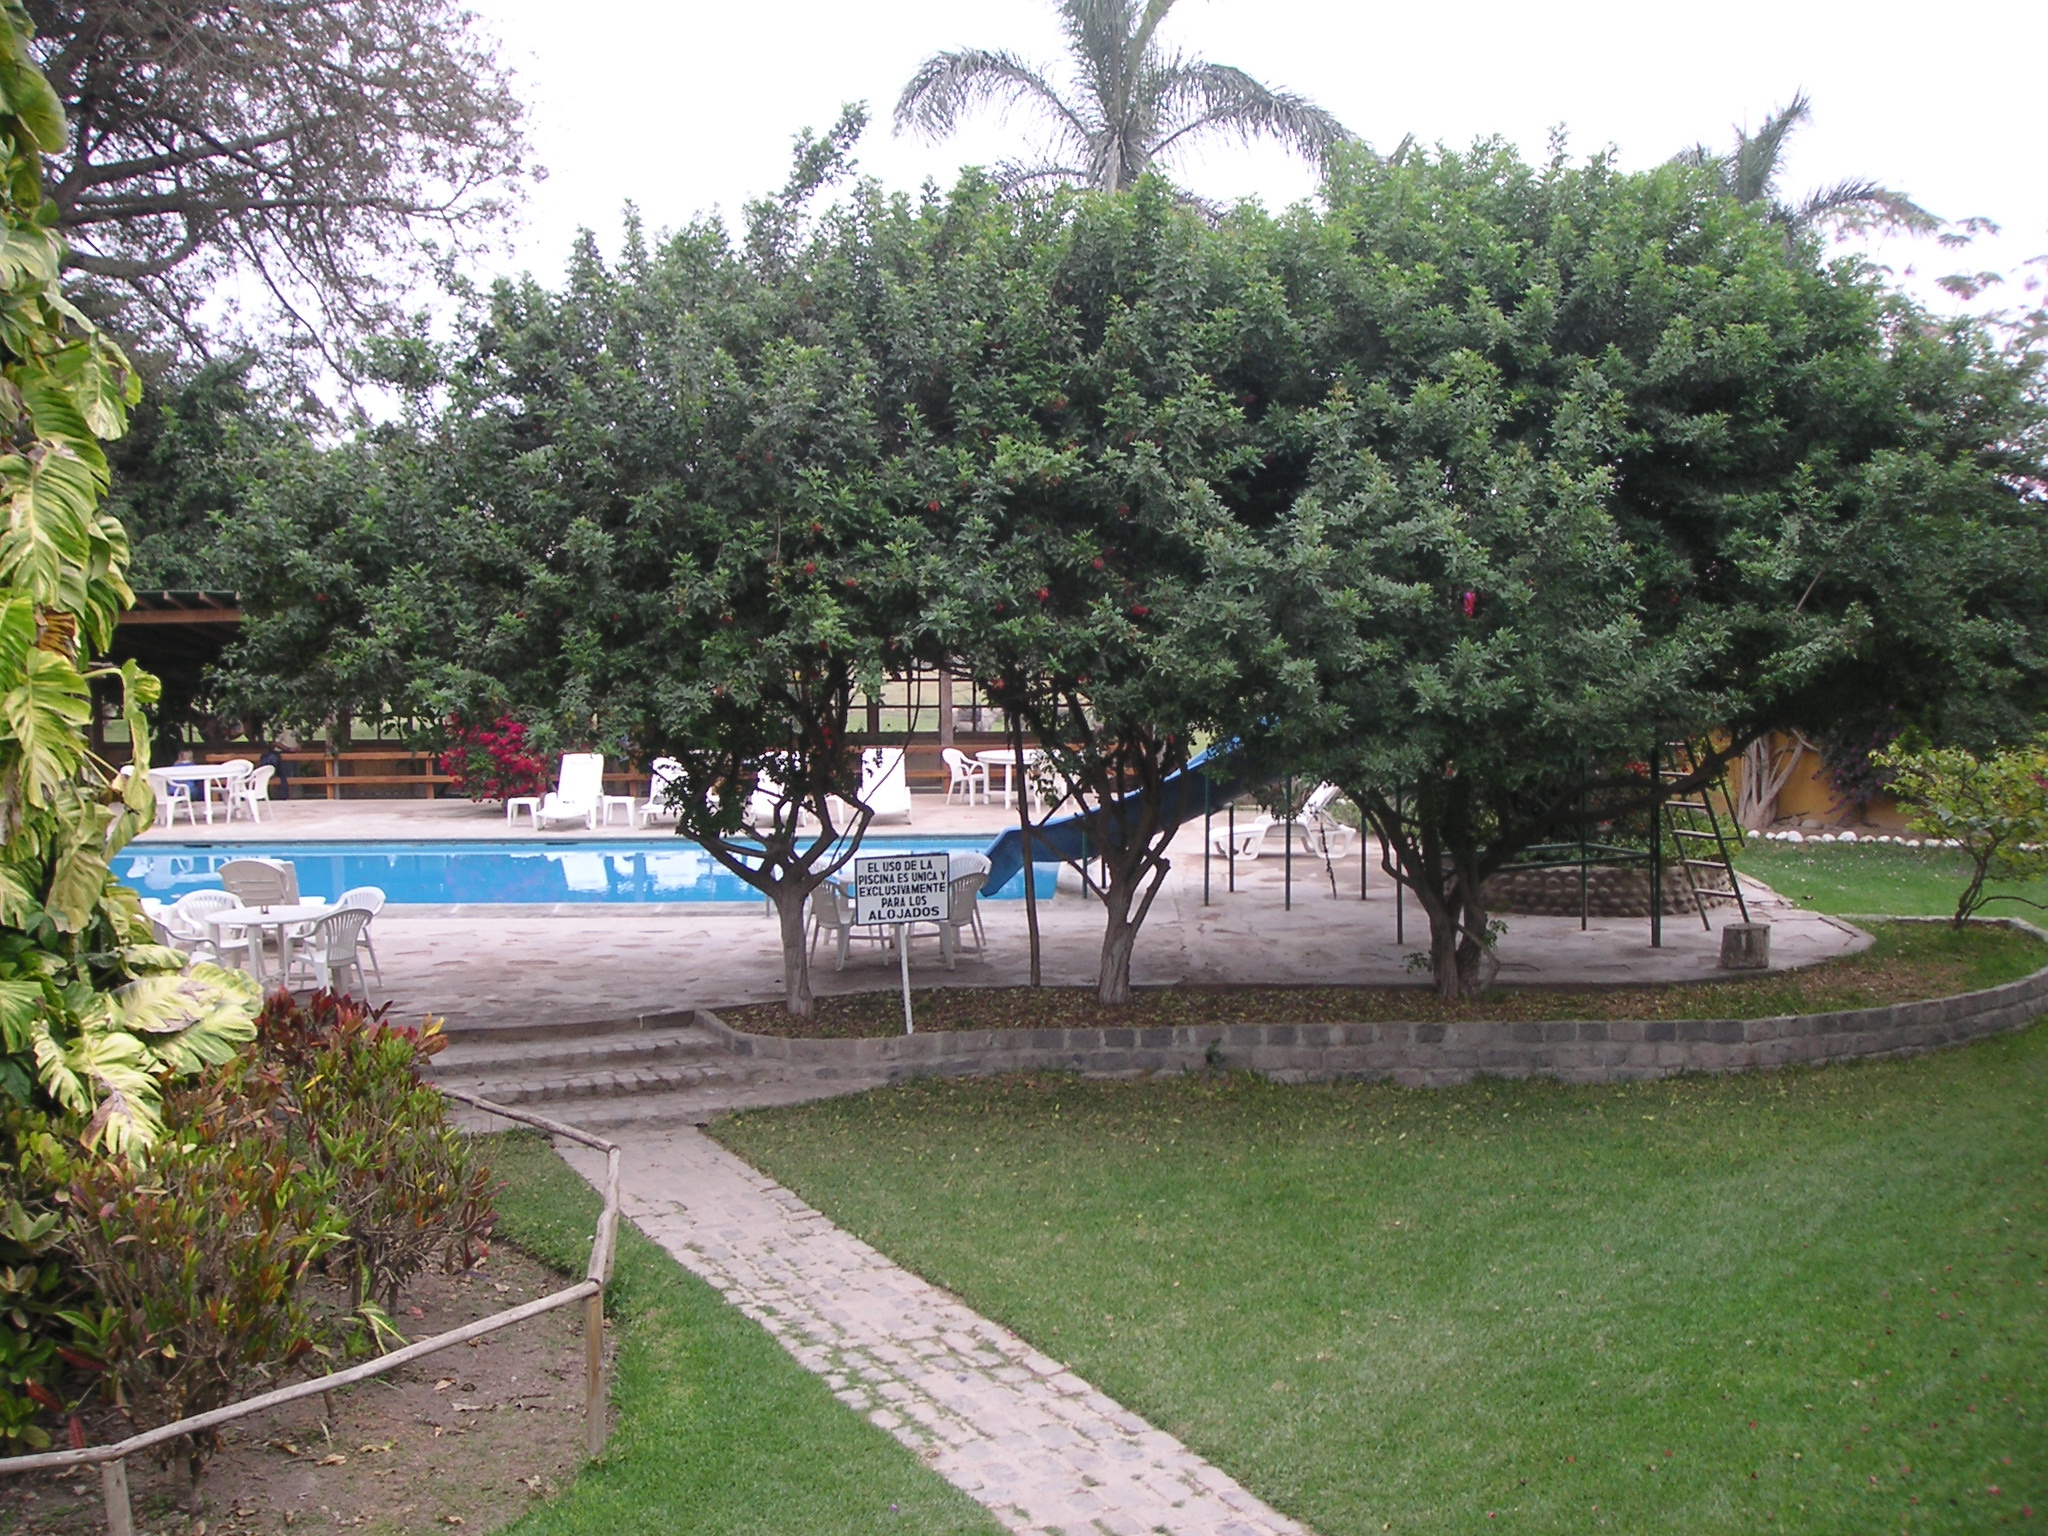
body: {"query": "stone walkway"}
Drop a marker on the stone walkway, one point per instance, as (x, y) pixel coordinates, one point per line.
(1040, 1447)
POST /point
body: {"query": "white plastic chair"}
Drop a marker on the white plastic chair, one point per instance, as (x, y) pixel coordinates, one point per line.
(248, 791)
(964, 773)
(884, 784)
(261, 882)
(181, 927)
(171, 794)
(577, 791)
(330, 948)
(767, 798)
(234, 778)
(1322, 835)
(663, 772)
(962, 909)
(371, 900)
(971, 863)
(831, 911)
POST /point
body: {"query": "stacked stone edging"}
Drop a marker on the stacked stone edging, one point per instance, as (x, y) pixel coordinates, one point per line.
(1611, 891)
(1420, 1055)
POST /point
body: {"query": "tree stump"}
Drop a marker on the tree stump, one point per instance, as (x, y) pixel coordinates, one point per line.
(1746, 947)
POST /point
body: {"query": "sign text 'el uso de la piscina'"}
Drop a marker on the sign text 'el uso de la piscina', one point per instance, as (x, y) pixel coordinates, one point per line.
(901, 888)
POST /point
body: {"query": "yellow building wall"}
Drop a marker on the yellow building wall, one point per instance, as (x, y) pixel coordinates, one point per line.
(1808, 795)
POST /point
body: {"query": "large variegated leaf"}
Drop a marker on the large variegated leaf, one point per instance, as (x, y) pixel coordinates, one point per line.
(97, 379)
(54, 1071)
(108, 1074)
(127, 1123)
(32, 101)
(60, 416)
(28, 256)
(43, 717)
(146, 959)
(46, 538)
(191, 1020)
(17, 638)
(18, 903)
(21, 1003)
(79, 876)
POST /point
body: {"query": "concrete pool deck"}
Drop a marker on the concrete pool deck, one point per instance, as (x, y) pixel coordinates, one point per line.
(579, 965)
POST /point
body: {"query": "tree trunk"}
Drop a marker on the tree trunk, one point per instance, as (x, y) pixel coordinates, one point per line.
(1024, 833)
(1119, 938)
(796, 961)
(1444, 966)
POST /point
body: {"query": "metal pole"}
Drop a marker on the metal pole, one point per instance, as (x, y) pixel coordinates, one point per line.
(1400, 894)
(1205, 839)
(114, 1484)
(903, 954)
(1585, 900)
(1656, 854)
(1287, 850)
(1230, 858)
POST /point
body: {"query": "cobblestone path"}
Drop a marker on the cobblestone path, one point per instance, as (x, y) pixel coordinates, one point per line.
(1040, 1447)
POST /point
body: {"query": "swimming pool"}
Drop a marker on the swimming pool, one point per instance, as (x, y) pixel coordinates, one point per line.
(523, 873)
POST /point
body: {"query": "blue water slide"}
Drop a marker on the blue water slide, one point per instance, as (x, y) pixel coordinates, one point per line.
(1065, 841)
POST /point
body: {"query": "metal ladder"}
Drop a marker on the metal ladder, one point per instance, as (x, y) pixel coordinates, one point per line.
(1695, 828)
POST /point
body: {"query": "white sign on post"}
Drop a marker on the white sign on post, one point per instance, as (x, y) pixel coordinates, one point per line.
(900, 889)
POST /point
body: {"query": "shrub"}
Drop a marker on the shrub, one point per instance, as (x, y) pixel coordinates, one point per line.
(493, 762)
(32, 1290)
(1995, 807)
(408, 1187)
(197, 1263)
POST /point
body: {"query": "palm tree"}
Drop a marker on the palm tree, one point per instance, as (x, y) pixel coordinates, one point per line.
(1750, 175)
(1132, 102)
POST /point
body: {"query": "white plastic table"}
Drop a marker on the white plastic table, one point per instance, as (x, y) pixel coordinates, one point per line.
(527, 803)
(607, 803)
(205, 775)
(256, 921)
(1006, 760)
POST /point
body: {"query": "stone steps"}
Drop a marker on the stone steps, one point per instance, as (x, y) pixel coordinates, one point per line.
(477, 1056)
(692, 1106)
(618, 1074)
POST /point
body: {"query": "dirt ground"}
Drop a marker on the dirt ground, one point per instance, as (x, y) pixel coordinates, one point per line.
(462, 1440)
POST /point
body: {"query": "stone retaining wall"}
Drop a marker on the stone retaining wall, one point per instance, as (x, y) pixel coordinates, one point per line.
(1421, 1055)
(1611, 891)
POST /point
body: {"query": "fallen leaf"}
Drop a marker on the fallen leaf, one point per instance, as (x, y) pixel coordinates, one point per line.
(444, 1383)
(451, 1519)
(372, 1450)
(331, 1461)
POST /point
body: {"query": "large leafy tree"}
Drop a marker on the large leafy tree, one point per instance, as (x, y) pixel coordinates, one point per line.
(1605, 468)
(312, 155)
(1113, 454)
(710, 476)
(1131, 102)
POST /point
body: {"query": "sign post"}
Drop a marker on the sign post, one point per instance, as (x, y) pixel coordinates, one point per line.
(899, 889)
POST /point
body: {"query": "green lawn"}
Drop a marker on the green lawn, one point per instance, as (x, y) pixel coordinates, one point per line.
(1808, 1301)
(1878, 877)
(719, 1431)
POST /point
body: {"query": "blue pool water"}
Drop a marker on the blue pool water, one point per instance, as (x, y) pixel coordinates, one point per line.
(659, 869)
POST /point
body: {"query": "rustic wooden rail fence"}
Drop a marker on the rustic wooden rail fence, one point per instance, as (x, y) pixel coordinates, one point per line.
(112, 1460)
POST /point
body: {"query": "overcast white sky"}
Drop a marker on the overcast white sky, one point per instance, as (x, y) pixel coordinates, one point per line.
(683, 106)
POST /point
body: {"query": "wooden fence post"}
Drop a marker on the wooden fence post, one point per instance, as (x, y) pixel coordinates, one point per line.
(114, 1483)
(593, 1374)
